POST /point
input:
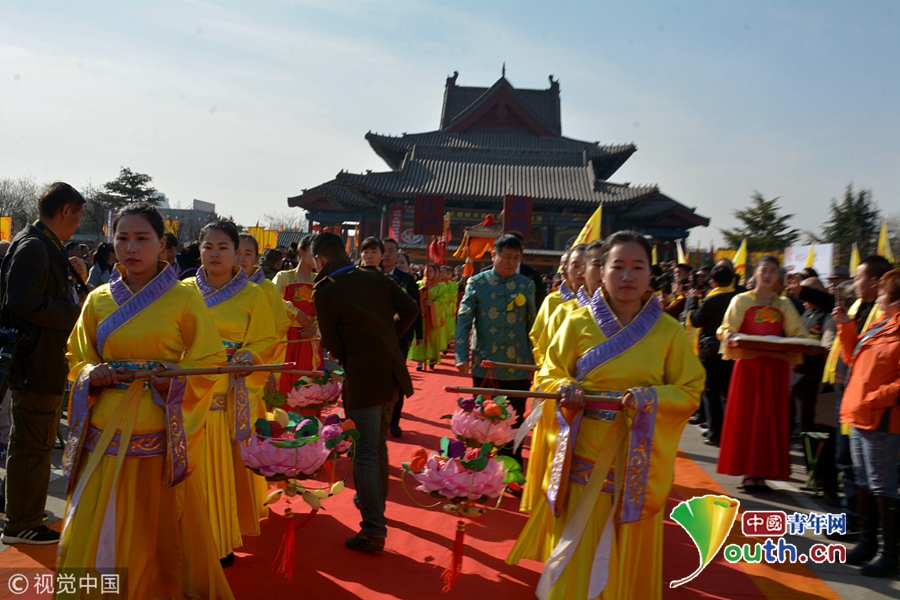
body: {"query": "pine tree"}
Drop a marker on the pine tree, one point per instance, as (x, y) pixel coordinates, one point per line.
(128, 187)
(854, 219)
(764, 228)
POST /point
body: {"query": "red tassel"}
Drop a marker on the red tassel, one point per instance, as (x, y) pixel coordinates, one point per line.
(284, 559)
(451, 573)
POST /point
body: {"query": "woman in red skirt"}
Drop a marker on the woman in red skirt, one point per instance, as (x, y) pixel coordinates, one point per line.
(756, 433)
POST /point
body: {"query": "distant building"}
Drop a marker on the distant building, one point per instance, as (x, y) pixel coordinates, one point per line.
(492, 142)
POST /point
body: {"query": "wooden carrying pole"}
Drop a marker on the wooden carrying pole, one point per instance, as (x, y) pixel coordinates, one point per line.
(600, 401)
(488, 364)
(273, 368)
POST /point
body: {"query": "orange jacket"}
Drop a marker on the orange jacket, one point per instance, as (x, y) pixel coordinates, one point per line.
(874, 383)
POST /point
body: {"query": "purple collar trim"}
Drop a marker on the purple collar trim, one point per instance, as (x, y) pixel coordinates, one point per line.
(622, 340)
(604, 317)
(131, 304)
(257, 277)
(565, 292)
(212, 296)
(582, 297)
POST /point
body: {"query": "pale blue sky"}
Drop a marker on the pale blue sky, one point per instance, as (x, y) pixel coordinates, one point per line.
(244, 104)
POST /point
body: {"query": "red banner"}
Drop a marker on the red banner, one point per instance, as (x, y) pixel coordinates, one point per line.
(517, 214)
(396, 222)
(428, 218)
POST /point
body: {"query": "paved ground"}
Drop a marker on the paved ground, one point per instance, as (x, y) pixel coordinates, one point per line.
(845, 580)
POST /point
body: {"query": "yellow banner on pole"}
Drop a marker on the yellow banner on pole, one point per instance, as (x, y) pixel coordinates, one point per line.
(6, 229)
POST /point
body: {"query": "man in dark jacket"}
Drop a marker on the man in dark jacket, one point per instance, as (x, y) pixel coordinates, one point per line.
(708, 317)
(36, 298)
(356, 310)
(408, 283)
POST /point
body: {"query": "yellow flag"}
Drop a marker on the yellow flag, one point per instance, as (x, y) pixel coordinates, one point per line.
(884, 243)
(271, 238)
(172, 226)
(6, 229)
(259, 234)
(811, 258)
(740, 260)
(679, 248)
(653, 257)
(591, 230)
(854, 259)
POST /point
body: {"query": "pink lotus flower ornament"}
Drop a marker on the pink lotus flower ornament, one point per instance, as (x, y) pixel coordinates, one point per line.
(261, 455)
(448, 478)
(473, 426)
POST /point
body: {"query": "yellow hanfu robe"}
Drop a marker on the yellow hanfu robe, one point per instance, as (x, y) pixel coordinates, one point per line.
(145, 514)
(236, 496)
(451, 298)
(651, 357)
(543, 439)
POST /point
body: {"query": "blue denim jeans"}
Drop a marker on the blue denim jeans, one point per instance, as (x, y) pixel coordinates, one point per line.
(875, 457)
(370, 466)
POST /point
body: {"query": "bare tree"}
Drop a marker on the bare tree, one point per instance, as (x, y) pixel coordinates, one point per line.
(18, 199)
(287, 220)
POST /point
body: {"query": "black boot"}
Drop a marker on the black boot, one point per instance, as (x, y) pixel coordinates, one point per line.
(888, 563)
(867, 547)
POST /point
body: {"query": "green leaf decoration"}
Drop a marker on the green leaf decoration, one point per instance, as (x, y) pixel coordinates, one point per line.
(263, 427)
(296, 442)
(275, 399)
(514, 472)
(446, 417)
(445, 446)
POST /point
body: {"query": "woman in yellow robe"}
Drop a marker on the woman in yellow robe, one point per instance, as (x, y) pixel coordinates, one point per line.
(243, 318)
(145, 514)
(623, 346)
(556, 307)
(248, 259)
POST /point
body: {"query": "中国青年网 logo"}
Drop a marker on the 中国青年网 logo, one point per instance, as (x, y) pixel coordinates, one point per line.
(709, 519)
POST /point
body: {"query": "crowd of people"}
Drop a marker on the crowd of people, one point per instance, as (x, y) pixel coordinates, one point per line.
(634, 351)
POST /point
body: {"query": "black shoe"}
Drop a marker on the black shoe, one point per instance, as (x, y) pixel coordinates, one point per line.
(711, 442)
(867, 547)
(703, 425)
(695, 419)
(419, 367)
(227, 561)
(356, 500)
(396, 431)
(363, 543)
(749, 486)
(39, 536)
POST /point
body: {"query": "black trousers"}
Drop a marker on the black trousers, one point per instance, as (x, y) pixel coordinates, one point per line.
(718, 378)
(516, 403)
(398, 405)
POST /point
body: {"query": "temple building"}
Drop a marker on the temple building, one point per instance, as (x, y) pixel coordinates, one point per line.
(494, 142)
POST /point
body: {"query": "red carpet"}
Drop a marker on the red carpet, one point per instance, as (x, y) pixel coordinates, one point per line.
(419, 540)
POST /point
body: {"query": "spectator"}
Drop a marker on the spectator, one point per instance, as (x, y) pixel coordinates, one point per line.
(708, 318)
(839, 274)
(403, 262)
(389, 263)
(271, 262)
(190, 260)
(103, 260)
(499, 336)
(169, 253)
(36, 299)
(807, 376)
(864, 312)
(356, 308)
(868, 406)
(73, 252)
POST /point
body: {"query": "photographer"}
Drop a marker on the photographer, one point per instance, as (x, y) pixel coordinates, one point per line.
(36, 298)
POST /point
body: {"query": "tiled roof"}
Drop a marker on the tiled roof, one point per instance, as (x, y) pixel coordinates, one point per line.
(543, 104)
(490, 182)
(328, 196)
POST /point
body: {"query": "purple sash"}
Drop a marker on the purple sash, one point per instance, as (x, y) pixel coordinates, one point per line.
(618, 340)
(637, 463)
